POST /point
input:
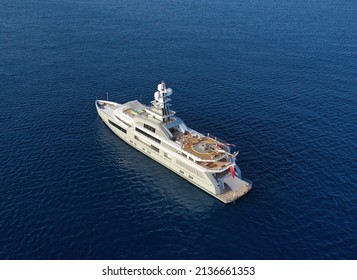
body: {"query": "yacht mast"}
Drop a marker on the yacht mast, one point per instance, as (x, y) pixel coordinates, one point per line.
(161, 102)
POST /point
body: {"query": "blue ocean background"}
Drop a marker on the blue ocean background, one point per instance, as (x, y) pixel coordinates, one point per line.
(278, 78)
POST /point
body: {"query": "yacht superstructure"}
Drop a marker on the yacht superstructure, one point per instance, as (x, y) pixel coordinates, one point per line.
(156, 131)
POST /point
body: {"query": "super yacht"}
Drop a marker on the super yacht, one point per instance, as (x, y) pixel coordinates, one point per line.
(202, 159)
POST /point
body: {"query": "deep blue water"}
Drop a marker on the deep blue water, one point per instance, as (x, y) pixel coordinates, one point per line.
(277, 77)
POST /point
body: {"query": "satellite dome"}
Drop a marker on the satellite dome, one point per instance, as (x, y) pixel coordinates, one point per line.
(157, 95)
(161, 86)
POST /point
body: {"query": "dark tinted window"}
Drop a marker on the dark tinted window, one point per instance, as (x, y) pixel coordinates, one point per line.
(149, 127)
(155, 148)
(117, 126)
(148, 135)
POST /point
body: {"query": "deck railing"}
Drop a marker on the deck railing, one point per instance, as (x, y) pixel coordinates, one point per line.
(216, 138)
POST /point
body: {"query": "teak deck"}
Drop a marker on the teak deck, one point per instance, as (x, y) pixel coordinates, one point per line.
(230, 196)
(188, 145)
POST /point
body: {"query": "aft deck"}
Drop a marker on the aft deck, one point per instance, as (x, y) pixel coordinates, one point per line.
(215, 165)
(230, 196)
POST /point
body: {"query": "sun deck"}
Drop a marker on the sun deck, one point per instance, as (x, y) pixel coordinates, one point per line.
(204, 148)
(134, 112)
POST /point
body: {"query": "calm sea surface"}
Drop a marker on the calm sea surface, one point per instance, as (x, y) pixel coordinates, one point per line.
(276, 77)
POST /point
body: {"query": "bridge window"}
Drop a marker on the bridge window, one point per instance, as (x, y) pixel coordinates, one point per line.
(149, 127)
